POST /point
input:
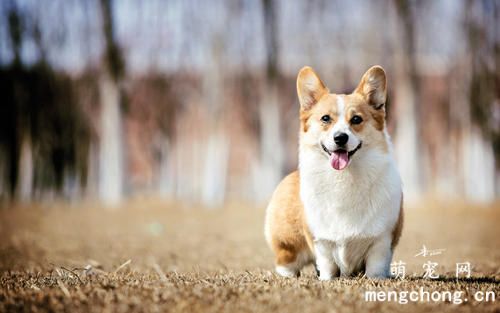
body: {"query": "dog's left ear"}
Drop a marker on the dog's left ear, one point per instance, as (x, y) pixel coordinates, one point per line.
(310, 88)
(373, 87)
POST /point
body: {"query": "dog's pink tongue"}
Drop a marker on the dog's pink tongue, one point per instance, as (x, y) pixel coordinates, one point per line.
(339, 159)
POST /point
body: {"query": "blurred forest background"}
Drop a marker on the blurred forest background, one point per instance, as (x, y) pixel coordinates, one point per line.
(195, 100)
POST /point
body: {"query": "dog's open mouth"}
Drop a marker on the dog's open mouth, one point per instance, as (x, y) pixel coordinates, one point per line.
(340, 158)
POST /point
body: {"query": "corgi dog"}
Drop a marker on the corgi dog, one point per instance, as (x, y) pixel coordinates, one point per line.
(342, 209)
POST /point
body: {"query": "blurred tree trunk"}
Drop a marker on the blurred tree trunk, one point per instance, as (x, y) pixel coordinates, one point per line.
(269, 169)
(111, 145)
(21, 170)
(406, 91)
(478, 154)
(166, 177)
(216, 148)
(110, 149)
(216, 155)
(24, 188)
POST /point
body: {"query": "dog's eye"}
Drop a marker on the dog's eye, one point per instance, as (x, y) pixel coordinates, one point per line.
(356, 119)
(326, 118)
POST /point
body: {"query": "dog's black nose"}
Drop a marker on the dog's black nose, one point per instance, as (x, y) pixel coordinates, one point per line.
(340, 138)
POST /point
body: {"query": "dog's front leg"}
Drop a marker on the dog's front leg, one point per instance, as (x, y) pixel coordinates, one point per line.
(325, 263)
(378, 258)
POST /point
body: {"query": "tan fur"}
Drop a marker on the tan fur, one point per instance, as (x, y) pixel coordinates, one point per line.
(288, 234)
(310, 88)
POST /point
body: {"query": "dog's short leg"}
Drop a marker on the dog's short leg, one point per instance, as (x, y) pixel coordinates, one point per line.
(378, 258)
(288, 262)
(325, 264)
(289, 270)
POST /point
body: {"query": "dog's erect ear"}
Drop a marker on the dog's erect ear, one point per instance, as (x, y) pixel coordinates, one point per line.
(373, 87)
(310, 88)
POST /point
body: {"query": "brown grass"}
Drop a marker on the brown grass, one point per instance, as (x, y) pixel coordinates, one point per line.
(148, 256)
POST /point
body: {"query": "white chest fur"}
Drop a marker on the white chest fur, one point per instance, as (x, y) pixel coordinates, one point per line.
(350, 211)
(361, 201)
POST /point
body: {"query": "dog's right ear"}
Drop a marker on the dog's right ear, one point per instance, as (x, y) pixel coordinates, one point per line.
(310, 88)
(373, 87)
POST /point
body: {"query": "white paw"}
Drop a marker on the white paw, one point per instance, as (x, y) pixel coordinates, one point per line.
(325, 277)
(286, 272)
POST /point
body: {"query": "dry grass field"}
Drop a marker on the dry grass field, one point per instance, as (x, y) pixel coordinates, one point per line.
(149, 256)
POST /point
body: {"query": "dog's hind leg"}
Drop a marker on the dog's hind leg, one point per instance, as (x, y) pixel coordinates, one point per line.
(289, 262)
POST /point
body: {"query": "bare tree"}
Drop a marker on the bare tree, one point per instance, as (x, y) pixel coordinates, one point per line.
(110, 145)
(478, 132)
(21, 152)
(408, 152)
(269, 170)
(216, 147)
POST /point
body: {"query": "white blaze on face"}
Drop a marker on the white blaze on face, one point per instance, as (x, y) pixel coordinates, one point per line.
(339, 158)
(341, 125)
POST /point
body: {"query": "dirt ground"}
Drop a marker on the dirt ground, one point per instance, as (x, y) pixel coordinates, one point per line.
(149, 256)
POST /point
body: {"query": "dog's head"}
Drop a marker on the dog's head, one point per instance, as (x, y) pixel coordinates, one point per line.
(341, 126)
